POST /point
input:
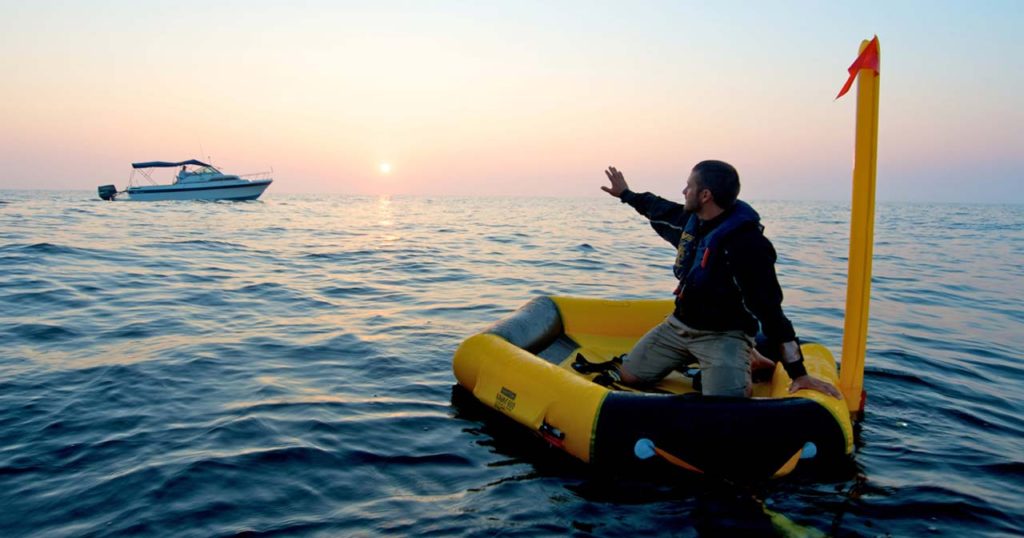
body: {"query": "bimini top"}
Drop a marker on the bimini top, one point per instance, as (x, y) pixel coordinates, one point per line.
(163, 164)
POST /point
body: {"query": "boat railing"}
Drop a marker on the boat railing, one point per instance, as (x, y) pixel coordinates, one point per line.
(256, 175)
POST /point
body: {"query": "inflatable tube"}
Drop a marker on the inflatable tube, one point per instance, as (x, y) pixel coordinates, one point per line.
(523, 367)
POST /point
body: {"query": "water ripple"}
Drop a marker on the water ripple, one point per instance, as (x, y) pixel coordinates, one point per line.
(283, 367)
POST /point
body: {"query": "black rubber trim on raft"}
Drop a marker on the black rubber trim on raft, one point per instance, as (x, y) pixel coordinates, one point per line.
(534, 327)
(737, 438)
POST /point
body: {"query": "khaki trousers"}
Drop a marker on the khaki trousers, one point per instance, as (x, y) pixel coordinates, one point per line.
(723, 356)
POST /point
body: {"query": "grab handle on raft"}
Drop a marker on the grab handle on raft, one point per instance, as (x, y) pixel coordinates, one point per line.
(862, 226)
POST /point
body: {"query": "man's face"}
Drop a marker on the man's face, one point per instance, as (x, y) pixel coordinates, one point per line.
(692, 193)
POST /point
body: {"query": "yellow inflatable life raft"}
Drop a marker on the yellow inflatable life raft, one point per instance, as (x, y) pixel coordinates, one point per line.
(538, 367)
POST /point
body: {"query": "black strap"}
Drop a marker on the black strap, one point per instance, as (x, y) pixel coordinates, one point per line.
(583, 366)
(796, 368)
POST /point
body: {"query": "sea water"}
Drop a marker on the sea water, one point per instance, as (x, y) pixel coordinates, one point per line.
(284, 367)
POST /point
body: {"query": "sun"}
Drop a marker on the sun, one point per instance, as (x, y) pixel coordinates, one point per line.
(385, 168)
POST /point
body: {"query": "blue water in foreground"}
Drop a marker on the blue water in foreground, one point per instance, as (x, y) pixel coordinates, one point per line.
(284, 367)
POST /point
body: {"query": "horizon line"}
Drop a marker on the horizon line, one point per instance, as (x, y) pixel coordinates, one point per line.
(554, 196)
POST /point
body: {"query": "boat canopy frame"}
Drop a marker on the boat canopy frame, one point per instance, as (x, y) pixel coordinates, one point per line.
(166, 164)
(143, 169)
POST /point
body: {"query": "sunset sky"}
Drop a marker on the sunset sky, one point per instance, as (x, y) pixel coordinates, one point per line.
(513, 98)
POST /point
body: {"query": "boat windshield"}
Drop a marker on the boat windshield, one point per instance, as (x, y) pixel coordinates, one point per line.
(198, 174)
(205, 170)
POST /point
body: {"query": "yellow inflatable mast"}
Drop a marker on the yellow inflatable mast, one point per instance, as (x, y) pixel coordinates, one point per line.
(862, 229)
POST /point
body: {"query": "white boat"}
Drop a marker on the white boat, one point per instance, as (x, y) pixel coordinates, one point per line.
(195, 181)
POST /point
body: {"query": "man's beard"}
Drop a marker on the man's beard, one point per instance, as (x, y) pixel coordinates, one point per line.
(694, 207)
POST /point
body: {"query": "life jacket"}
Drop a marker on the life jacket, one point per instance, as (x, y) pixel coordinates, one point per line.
(700, 264)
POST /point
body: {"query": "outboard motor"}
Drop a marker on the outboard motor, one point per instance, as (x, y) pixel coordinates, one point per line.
(107, 192)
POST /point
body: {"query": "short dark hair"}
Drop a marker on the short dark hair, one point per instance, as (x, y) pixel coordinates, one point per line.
(721, 179)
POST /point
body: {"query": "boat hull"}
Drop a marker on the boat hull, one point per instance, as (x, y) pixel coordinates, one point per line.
(235, 191)
(523, 367)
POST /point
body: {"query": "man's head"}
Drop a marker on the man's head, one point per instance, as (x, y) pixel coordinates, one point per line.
(714, 182)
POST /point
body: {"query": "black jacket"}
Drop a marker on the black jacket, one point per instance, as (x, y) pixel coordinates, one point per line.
(727, 282)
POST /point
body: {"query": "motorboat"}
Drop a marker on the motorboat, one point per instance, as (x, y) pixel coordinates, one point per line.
(195, 181)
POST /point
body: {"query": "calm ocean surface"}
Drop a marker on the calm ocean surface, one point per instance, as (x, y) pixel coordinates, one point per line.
(284, 367)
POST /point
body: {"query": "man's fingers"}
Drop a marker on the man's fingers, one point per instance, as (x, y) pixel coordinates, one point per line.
(618, 183)
(818, 385)
(827, 388)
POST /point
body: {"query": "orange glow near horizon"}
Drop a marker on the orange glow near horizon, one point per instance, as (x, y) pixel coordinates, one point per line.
(471, 106)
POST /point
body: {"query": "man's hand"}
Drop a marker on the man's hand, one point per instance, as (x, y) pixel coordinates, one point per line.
(619, 185)
(759, 361)
(813, 383)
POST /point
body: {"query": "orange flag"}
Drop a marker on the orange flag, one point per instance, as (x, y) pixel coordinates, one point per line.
(868, 59)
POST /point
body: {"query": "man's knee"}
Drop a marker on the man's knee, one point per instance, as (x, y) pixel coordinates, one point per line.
(734, 382)
(628, 378)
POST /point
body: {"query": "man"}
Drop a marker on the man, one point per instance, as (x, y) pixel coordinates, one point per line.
(727, 287)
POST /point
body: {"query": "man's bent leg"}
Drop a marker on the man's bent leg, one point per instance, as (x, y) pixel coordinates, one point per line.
(656, 354)
(724, 362)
